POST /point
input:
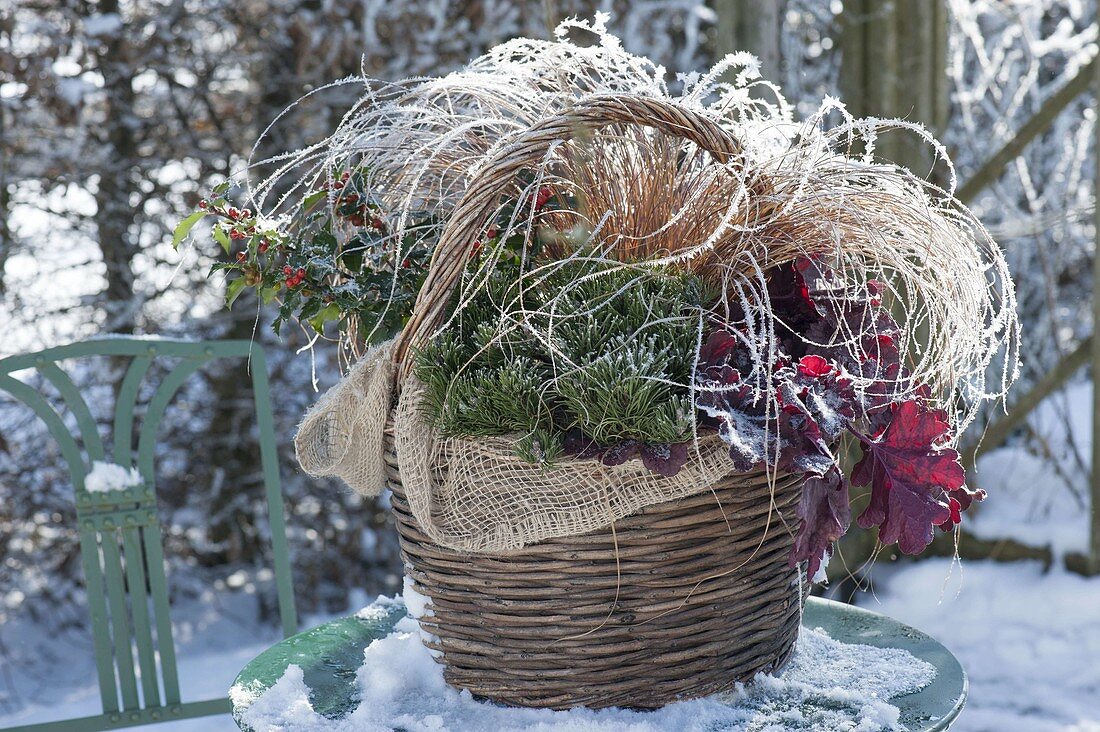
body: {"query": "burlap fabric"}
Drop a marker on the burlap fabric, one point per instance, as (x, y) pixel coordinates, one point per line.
(341, 435)
(476, 495)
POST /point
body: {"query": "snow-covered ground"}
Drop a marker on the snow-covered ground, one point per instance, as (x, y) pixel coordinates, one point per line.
(216, 636)
(1041, 500)
(1029, 641)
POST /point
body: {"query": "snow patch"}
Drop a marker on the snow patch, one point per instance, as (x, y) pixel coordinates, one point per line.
(416, 603)
(821, 576)
(828, 685)
(106, 477)
(1040, 500)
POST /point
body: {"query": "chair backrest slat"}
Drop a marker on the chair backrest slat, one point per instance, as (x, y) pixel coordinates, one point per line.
(125, 404)
(69, 449)
(155, 411)
(120, 537)
(270, 460)
(97, 604)
(89, 432)
(139, 610)
(120, 623)
(166, 644)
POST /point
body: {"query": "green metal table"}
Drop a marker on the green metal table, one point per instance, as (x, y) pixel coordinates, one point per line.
(330, 654)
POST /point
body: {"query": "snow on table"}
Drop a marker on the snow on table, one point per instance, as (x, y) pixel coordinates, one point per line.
(828, 685)
(1029, 639)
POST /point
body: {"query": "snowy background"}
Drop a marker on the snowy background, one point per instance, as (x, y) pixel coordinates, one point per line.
(115, 116)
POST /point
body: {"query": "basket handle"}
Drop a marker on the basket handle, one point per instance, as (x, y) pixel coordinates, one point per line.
(479, 200)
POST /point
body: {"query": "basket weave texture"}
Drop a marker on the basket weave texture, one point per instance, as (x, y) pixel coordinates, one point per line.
(684, 594)
(681, 600)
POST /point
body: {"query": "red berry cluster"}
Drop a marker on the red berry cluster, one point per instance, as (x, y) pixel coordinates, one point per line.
(294, 277)
(353, 207)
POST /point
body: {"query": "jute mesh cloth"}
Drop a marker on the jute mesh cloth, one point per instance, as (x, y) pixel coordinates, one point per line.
(476, 495)
(342, 434)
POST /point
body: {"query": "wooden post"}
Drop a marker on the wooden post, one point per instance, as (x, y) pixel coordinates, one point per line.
(893, 59)
(1094, 493)
(754, 26)
(893, 65)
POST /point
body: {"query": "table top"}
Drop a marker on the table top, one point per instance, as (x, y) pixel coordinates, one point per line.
(331, 654)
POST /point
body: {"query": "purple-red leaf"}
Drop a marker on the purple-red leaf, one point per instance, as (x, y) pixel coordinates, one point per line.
(825, 515)
(959, 500)
(911, 475)
(664, 458)
(621, 452)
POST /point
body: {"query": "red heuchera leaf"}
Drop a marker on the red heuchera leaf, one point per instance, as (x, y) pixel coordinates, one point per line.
(911, 476)
(718, 348)
(825, 515)
(959, 500)
(815, 366)
(664, 458)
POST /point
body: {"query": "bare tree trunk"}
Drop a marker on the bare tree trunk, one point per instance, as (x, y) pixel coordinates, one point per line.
(6, 243)
(115, 216)
(231, 527)
(893, 65)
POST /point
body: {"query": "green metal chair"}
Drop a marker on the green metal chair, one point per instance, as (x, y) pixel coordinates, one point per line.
(120, 537)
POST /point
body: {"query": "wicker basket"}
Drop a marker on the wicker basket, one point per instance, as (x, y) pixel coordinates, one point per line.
(683, 599)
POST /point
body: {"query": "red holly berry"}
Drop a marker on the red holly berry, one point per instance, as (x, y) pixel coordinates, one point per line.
(377, 222)
(491, 232)
(232, 212)
(247, 213)
(241, 256)
(300, 273)
(264, 246)
(203, 204)
(288, 270)
(545, 194)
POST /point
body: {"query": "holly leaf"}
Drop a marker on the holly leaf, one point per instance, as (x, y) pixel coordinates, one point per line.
(911, 475)
(222, 238)
(233, 290)
(184, 227)
(825, 515)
